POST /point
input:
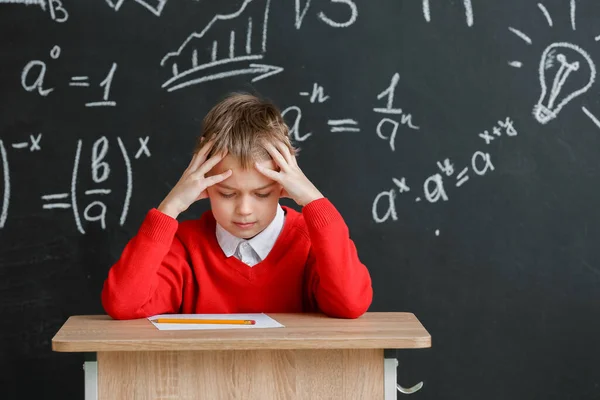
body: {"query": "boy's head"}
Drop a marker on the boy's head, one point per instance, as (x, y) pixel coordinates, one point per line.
(246, 202)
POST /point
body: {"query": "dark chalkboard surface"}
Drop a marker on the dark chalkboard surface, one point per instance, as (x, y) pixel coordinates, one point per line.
(459, 139)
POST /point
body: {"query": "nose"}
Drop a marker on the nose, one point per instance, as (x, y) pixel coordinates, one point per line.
(244, 206)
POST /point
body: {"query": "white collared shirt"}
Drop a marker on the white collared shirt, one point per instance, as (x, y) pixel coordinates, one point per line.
(252, 251)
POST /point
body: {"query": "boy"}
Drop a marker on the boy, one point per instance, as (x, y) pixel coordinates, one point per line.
(247, 254)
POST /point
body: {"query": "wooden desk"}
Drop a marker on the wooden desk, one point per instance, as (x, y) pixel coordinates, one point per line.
(313, 357)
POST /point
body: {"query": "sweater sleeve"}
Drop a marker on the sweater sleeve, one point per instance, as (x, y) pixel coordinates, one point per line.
(341, 282)
(148, 277)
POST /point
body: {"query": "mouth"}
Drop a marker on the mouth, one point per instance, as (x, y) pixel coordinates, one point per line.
(245, 225)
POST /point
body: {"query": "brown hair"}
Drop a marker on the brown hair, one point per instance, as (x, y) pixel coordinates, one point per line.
(239, 124)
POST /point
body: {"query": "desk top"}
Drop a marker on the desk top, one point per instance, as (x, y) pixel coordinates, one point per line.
(381, 330)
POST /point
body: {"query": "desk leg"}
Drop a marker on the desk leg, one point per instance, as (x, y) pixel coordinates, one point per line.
(390, 369)
(90, 372)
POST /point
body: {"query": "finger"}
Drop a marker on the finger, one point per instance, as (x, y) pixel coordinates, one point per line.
(285, 152)
(284, 193)
(202, 155)
(269, 173)
(276, 155)
(212, 180)
(210, 163)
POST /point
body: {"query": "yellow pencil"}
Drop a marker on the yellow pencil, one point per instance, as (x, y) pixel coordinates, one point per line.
(205, 321)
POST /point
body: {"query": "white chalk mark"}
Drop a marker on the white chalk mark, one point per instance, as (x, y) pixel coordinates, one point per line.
(318, 94)
(300, 13)
(194, 59)
(56, 205)
(520, 34)
(392, 136)
(74, 188)
(143, 147)
(335, 24)
(295, 127)
(426, 11)
(262, 70)
(437, 232)
(56, 6)
(341, 122)
(264, 27)
(232, 44)
(156, 10)
(249, 36)
(21, 145)
(382, 110)
(438, 192)
(41, 3)
(196, 35)
(344, 129)
(212, 64)
(336, 125)
(466, 3)
(79, 81)
(546, 13)
(401, 183)
(55, 196)
(591, 116)
(516, 64)
(97, 191)
(213, 54)
(573, 14)
(101, 104)
(469, 12)
(546, 110)
(597, 38)
(129, 181)
(116, 6)
(39, 82)
(6, 194)
(391, 211)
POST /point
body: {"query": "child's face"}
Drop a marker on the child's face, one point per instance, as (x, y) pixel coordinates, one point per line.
(246, 202)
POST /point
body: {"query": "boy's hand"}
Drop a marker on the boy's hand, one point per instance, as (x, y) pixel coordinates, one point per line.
(295, 184)
(192, 185)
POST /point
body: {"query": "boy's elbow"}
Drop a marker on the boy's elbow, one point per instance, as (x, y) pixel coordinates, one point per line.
(117, 308)
(352, 308)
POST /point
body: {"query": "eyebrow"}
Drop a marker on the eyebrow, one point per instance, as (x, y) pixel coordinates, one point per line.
(257, 189)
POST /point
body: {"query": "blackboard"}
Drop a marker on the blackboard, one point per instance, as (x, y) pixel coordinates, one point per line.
(459, 139)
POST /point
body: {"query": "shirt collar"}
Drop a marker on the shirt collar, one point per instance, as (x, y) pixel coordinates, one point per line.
(261, 243)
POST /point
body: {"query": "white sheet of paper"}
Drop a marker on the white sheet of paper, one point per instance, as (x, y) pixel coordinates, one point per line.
(262, 321)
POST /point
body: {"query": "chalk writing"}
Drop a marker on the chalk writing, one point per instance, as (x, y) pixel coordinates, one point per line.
(466, 4)
(190, 64)
(317, 95)
(57, 10)
(155, 7)
(6, 185)
(100, 169)
(405, 119)
(37, 84)
(302, 10)
(434, 186)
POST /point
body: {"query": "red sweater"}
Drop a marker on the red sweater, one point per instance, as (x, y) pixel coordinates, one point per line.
(171, 267)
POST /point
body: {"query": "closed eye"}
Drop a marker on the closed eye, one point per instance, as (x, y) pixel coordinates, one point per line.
(227, 195)
(263, 195)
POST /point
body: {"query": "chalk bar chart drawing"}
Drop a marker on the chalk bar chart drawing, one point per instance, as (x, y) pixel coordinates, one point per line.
(229, 45)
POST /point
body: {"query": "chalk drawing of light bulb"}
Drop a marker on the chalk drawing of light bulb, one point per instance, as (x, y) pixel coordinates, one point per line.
(566, 71)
